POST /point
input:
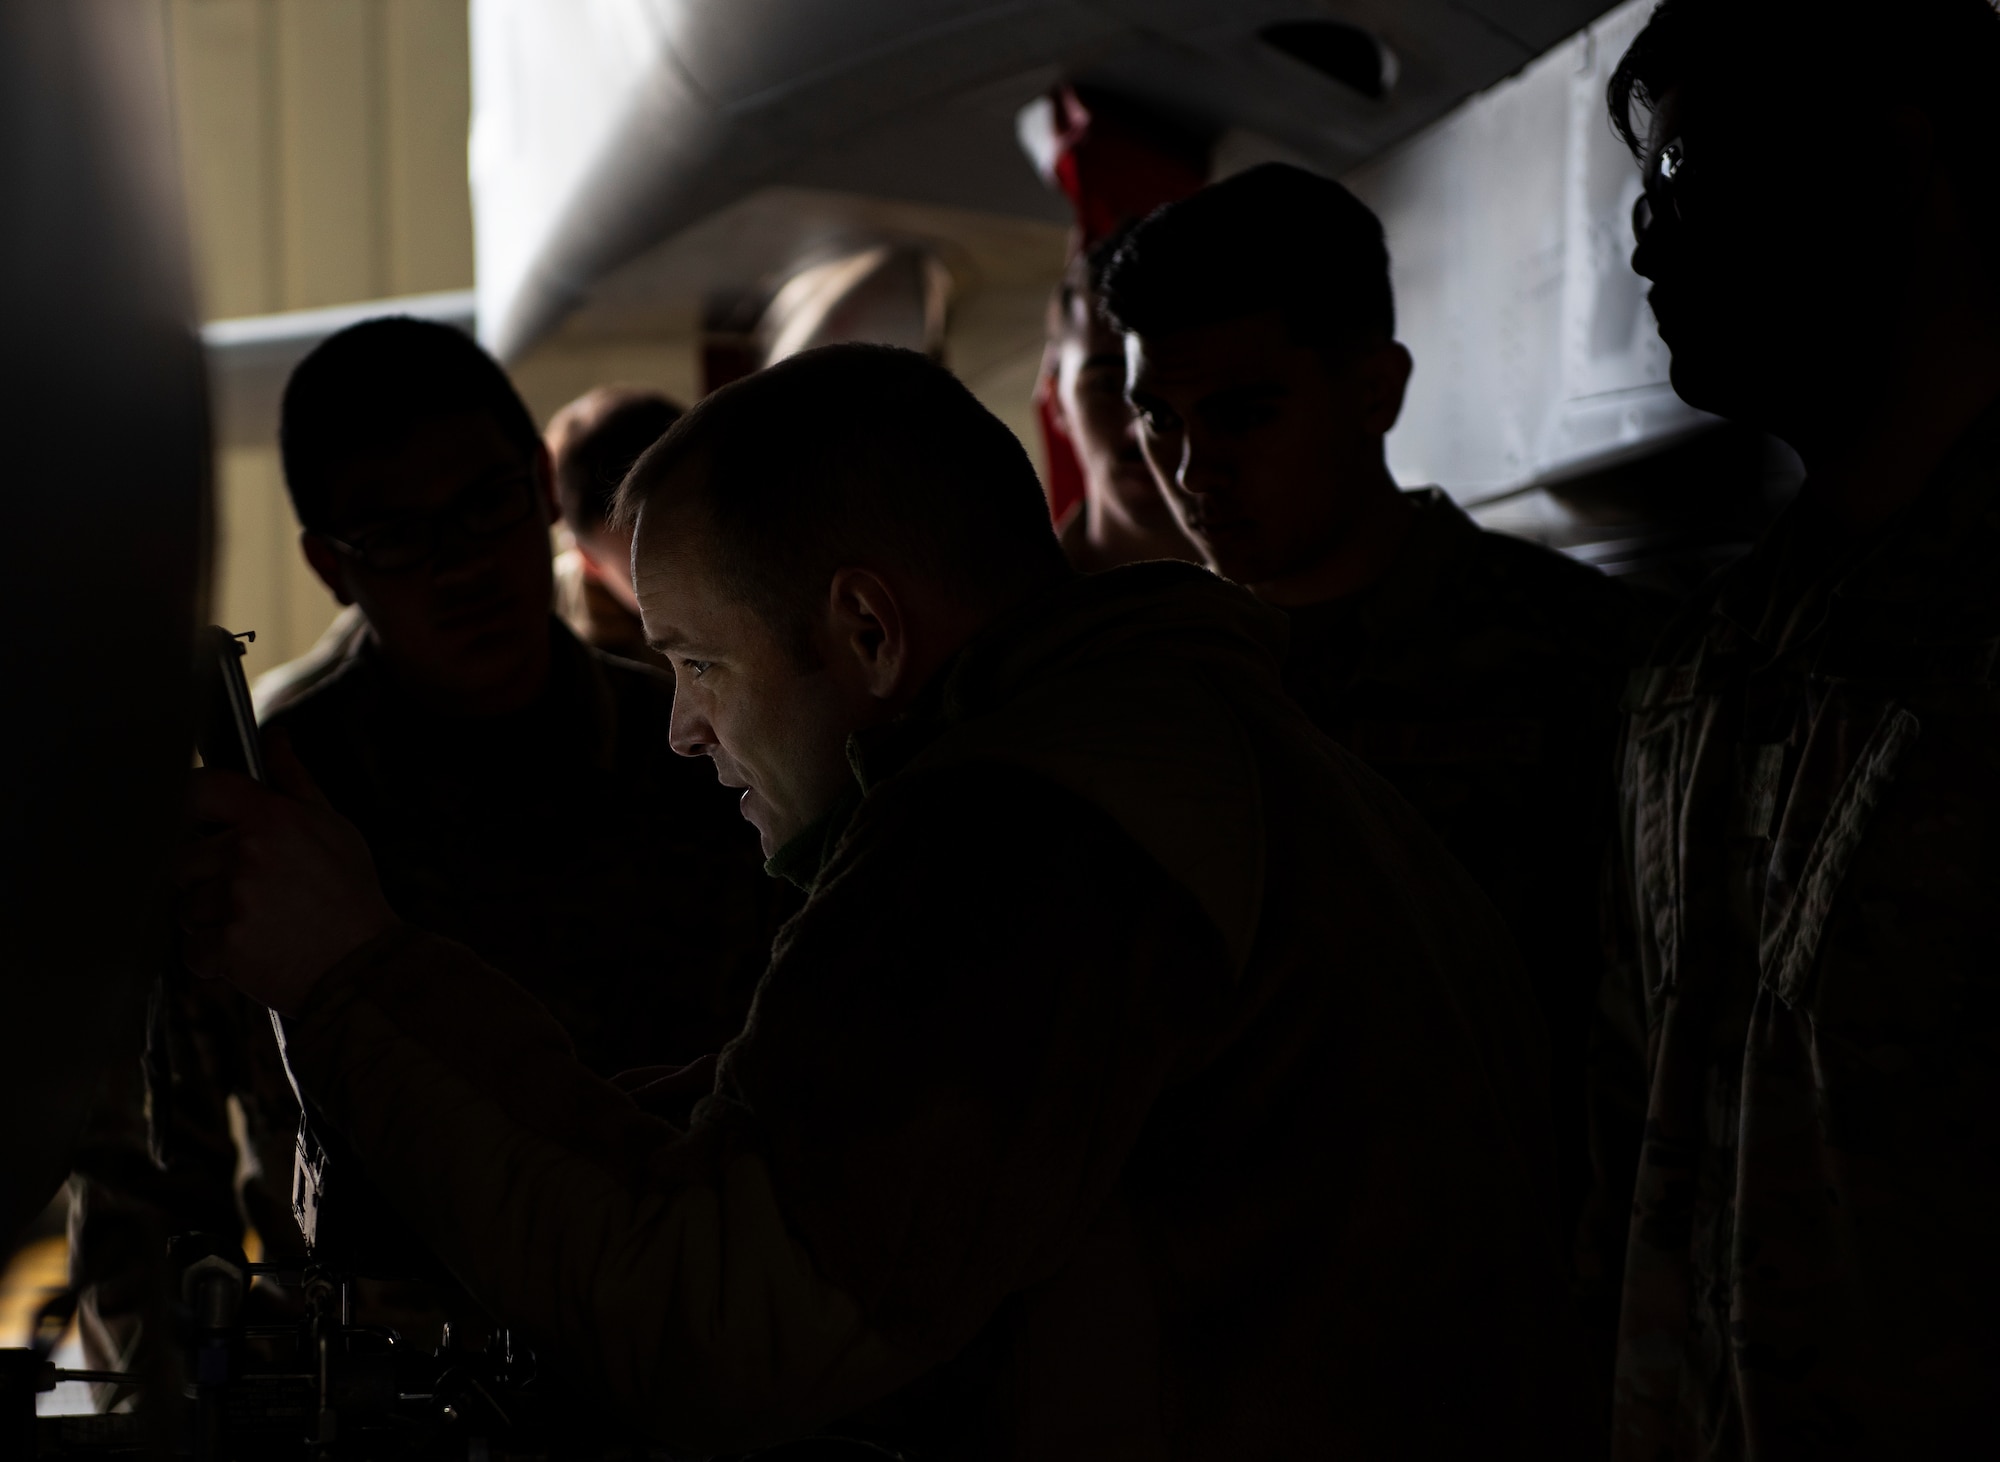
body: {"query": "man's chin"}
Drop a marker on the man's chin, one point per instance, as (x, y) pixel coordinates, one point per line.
(758, 816)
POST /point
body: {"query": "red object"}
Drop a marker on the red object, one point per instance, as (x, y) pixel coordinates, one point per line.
(1113, 169)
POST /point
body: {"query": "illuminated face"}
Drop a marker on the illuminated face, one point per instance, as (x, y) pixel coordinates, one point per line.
(774, 727)
(1266, 447)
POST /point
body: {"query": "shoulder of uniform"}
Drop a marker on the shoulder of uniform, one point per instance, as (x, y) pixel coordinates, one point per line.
(1552, 596)
(1688, 625)
(1534, 573)
(336, 651)
(314, 696)
(1538, 565)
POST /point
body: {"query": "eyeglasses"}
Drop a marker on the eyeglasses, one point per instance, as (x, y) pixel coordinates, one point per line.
(1665, 190)
(484, 510)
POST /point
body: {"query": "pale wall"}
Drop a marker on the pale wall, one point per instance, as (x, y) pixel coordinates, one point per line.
(322, 148)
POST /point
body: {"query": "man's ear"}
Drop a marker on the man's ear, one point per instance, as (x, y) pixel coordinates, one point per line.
(327, 562)
(1385, 378)
(868, 631)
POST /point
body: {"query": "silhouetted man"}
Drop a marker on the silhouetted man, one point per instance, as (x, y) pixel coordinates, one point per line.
(515, 788)
(512, 784)
(593, 443)
(1123, 517)
(1140, 1078)
(1805, 1026)
(1478, 673)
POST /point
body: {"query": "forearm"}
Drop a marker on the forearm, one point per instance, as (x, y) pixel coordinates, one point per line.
(657, 1257)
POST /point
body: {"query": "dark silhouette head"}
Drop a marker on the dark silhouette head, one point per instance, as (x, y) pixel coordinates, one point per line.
(426, 497)
(1820, 191)
(369, 386)
(1272, 239)
(1263, 365)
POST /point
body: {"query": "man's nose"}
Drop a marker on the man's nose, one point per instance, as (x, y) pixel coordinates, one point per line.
(688, 730)
(1650, 227)
(1203, 469)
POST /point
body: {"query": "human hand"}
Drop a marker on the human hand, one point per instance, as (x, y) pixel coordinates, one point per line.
(285, 889)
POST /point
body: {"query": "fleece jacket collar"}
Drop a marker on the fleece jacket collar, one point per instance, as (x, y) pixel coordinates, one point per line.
(1127, 688)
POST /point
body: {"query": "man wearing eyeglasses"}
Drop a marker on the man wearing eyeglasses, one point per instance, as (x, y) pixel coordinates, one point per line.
(517, 790)
(513, 784)
(1801, 1073)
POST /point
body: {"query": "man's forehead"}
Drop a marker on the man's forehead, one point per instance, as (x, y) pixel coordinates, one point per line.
(671, 521)
(1664, 119)
(672, 554)
(422, 468)
(1211, 356)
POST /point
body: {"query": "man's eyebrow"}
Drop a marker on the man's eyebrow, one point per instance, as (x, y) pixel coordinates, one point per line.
(1250, 392)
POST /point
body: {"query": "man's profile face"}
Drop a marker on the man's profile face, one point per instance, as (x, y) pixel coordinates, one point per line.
(774, 727)
(1100, 422)
(1772, 266)
(1262, 444)
(468, 626)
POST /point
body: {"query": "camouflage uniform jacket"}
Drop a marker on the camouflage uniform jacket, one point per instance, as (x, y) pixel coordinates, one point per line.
(1481, 679)
(1140, 1080)
(1808, 1011)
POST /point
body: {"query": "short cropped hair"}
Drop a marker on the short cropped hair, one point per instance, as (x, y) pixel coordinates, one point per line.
(368, 387)
(1274, 237)
(595, 440)
(1792, 56)
(853, 454)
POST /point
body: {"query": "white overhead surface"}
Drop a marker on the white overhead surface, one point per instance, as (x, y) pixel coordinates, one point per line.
(1510, 235)
(605, 127)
